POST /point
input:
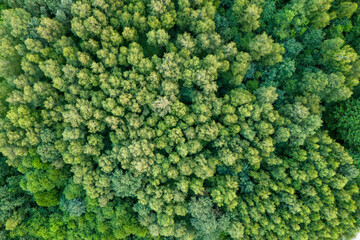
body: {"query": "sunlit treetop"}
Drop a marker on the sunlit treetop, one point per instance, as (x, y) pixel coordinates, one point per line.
(158, 119)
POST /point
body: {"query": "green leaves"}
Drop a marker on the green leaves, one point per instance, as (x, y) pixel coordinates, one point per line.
(203, 217)
(125, 184)
(331, 88)
(50, 30)
(263, 48)
(337, 56)
(47, 198)
(40, 180)
(21, 117)
(187, 120)
(344, 121)
(246, 15)
(14, 23)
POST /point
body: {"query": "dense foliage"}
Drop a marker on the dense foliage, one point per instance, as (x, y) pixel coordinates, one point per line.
(188, 119)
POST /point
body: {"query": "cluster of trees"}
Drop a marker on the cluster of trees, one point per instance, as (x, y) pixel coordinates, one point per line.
(157, 119)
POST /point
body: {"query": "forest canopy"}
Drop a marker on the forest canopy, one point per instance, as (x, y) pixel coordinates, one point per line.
(187, 119)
